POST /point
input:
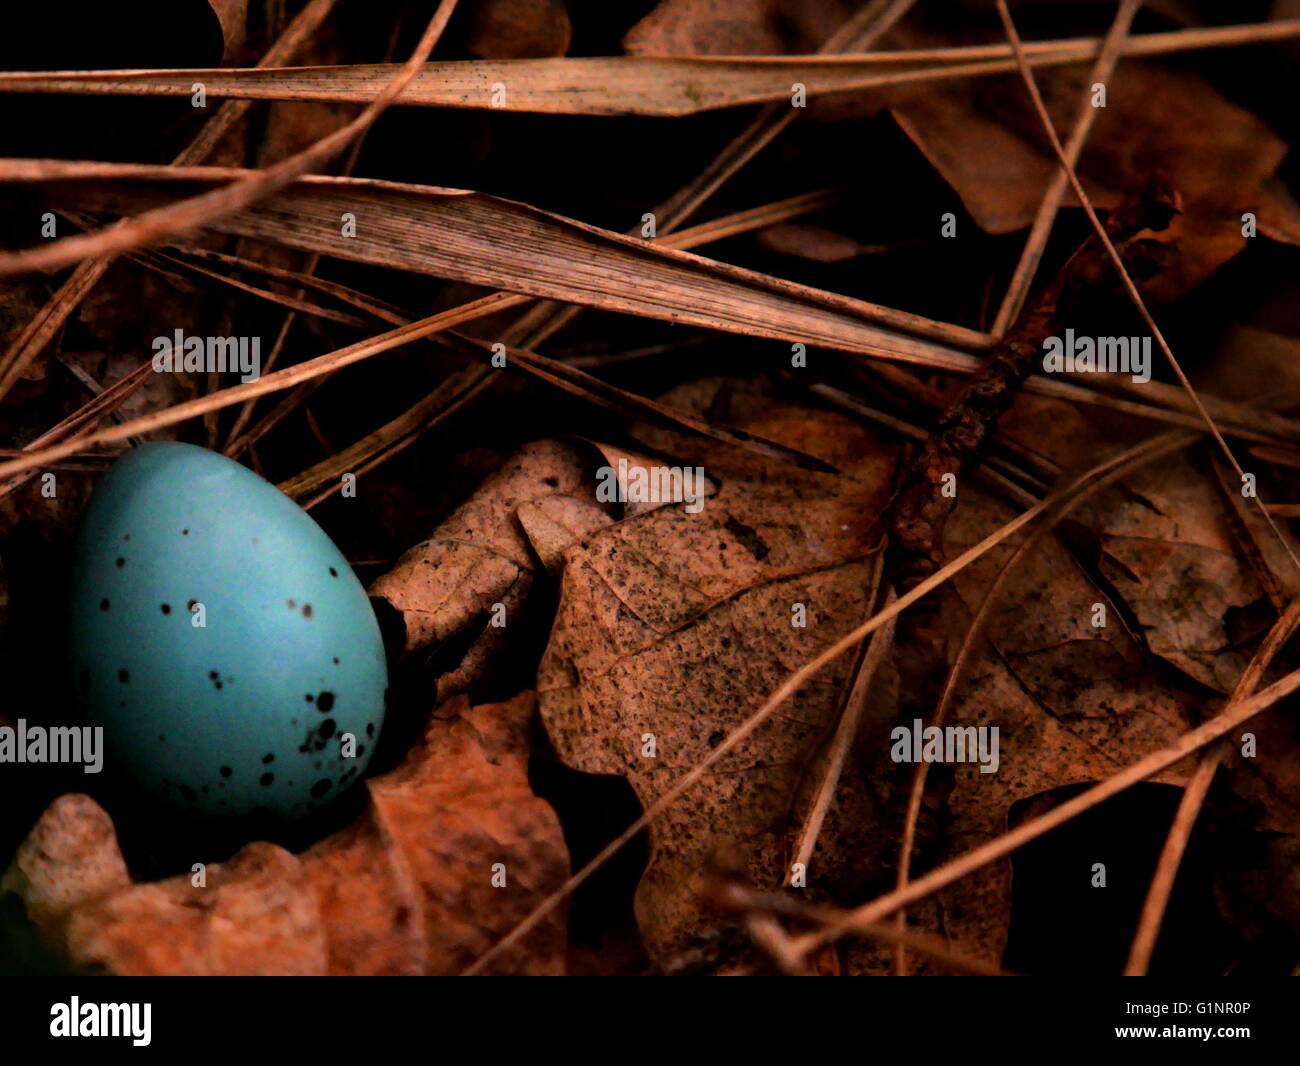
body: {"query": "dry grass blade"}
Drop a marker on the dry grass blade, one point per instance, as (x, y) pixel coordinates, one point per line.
(187, 215)
(580, 383)
(484, 240)
(284, 300)
(670, 86)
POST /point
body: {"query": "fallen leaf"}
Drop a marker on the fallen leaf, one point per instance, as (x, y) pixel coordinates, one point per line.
(1158, 122)
(1168, 553)
(452, 851)
(670, 624)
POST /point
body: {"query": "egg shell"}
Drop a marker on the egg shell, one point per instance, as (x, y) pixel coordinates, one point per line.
(243, 713)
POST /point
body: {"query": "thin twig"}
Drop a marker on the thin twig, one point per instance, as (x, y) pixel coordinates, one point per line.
(847, 731)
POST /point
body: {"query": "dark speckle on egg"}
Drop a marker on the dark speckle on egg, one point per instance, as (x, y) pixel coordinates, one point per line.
(123, 675)
(226, 771)
(333, 572)
(325, 702)
(120, 562)
(293, 605)
(267, 779)
(306, 610)
(336, 660)
(326, 729)
(103, 605)
(269, 757)
(320, 788)
(166, 608)
(370, 729)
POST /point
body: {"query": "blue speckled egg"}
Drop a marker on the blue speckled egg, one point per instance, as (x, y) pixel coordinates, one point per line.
(221, 639)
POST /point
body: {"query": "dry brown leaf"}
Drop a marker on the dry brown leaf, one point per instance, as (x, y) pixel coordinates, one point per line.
(407, 888)
(487, 553)
(459, 805)
(1073, 704)
(1168, 553)
(1075, 701)
(69, 858)
(1157, 123)
(669, 624)
(447, 586)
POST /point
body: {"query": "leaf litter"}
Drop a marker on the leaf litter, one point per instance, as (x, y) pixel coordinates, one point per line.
(650, 632)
